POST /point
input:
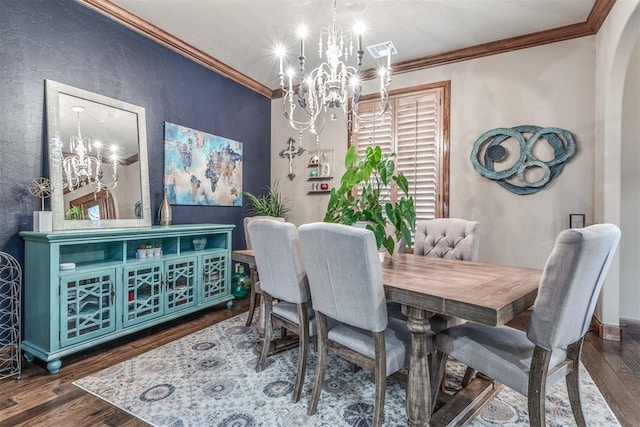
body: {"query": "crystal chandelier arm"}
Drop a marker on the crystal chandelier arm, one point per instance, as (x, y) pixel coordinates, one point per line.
(329, 86)
(315, 124)
(81, 167)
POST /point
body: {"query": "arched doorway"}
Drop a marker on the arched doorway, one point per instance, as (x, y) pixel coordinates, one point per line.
(614, 49)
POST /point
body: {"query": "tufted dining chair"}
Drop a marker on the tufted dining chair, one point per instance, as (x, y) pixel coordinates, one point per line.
(451, 238)
(255, 289)
(550, 349)
(345, 280)
(276, 248)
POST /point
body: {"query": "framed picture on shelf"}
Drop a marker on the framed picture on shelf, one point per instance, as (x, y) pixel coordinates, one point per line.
(576, 220)
(325, 170)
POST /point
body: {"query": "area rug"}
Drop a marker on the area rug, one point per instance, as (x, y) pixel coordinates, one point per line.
(208, 379)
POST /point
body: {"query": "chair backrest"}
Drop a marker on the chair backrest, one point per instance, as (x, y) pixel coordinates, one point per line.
(570, 285)
(277, 252)
(345, 274)
(452, 238)
(248, 219)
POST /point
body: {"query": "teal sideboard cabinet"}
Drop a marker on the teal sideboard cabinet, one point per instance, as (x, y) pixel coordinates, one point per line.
(86, 287)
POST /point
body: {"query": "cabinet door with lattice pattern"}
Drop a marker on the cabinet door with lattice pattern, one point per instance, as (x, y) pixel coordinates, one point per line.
(180, 284)
(214, 273)
(88, 310)
(143, 293)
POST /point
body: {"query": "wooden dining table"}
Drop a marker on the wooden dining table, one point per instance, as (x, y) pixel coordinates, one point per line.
(490, 294)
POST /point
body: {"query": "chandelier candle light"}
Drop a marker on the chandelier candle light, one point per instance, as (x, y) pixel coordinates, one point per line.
(329, 86)
(84, 165)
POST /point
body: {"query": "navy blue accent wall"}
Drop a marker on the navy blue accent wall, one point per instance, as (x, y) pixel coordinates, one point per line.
(65, 41)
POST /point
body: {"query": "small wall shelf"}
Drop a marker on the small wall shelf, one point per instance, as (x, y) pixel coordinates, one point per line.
(319, 170)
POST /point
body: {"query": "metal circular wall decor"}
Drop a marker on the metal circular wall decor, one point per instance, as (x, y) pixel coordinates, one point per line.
(488, 151)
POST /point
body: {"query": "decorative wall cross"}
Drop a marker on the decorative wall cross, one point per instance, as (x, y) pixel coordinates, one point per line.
(290, 152)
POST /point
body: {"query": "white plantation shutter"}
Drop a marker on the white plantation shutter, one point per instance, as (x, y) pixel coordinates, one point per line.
(414, 130)
(417, 129)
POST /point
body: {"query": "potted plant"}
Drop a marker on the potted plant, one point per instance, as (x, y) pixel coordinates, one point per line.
(142, 251)
(272, 203)
(374, 175)
(75, 213)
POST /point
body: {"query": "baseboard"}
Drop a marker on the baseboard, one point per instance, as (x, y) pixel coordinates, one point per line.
(606, 332)
(629, 325)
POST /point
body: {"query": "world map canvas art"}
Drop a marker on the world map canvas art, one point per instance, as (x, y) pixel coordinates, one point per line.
(201, 168)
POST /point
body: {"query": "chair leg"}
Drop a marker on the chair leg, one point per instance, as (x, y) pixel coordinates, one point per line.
(537, 386)
(573, 382)
(266, 341)
(439, 363)
(380, 376)
(262, 317)
(468, 376)
(303, 349)
(353, 368)
(252, 297)
(321, 368)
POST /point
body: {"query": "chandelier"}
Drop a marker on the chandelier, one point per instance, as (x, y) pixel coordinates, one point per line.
(84, 166)
(309, 97)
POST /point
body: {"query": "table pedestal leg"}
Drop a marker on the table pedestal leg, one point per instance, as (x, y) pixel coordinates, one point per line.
(418, 382)
(253, 296)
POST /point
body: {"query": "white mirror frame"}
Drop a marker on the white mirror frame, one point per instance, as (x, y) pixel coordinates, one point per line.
(53, 91)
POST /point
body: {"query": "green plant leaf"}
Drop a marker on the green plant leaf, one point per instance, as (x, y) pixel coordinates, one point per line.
(373, 174)
(351, 156)
(270, 204)
(402, 183)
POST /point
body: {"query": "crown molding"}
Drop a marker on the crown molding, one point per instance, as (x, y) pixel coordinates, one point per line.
(596, 18)
(159, 35)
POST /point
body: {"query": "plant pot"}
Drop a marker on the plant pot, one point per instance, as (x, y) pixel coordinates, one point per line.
(199, 244)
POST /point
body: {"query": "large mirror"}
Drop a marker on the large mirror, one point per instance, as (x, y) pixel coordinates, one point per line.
(97, 160)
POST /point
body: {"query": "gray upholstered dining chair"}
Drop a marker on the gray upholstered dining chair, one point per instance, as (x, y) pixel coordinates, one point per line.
(451, 238)
(345, 279)
(255, 289)
(550, 349)
(276, 248)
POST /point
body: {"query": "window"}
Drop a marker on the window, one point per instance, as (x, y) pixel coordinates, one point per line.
(417, 130)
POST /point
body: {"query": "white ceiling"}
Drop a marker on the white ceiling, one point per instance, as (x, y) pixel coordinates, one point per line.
(243, 33)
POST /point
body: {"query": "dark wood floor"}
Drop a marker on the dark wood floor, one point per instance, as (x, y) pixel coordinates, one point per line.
(40, 399)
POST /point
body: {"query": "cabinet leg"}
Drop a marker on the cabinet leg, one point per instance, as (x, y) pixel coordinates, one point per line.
(54, 366)
(28, 357)
(229, 303)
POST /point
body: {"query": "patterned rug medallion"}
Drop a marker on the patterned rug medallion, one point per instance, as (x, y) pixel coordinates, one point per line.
(208, 379)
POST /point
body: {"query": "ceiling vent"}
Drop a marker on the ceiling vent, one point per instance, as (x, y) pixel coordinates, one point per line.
(381, 50)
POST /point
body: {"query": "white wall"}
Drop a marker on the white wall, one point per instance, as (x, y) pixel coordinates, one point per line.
(614, 45)
(305, 208)
(551, 85)
(128, 195)
(630, 192)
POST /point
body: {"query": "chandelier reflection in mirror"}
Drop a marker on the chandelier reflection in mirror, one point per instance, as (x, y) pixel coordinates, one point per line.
(84, 165)
(330, 86)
